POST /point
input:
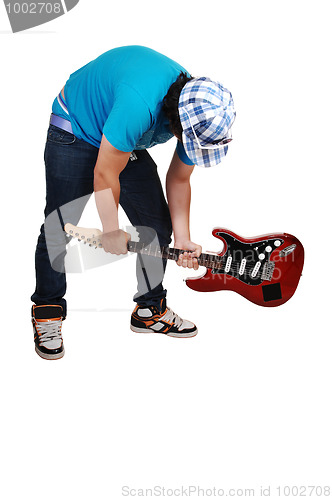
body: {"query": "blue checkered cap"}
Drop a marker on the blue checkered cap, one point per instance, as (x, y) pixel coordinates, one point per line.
(208, 108)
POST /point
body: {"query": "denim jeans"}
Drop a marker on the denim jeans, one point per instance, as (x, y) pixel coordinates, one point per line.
(69, 164)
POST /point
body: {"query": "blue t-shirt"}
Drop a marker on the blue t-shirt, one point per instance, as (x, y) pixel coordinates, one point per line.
(120, 95)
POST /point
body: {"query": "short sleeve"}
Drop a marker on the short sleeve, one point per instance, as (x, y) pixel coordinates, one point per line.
(182, 154)
(128, 120)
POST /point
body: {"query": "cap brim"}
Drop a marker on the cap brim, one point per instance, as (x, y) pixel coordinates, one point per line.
(203, 157)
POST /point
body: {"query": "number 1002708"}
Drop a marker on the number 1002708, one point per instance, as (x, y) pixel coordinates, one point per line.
(304, 491)
(34, 8)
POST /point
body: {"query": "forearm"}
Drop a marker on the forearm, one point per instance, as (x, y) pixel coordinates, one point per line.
(107, 194)
(109, 165)
(179, 196)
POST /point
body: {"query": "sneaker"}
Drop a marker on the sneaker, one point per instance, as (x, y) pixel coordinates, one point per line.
(47, 323)
(151, 320)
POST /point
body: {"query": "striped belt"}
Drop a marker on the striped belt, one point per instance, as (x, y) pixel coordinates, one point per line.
(61, 122)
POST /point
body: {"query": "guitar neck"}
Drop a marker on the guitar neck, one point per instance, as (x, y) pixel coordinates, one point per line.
(205, 259)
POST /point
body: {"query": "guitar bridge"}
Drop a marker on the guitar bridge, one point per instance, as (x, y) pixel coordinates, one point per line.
(267, 271)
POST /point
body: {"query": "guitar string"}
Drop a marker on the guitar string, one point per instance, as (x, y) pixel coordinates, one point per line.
(169, 252)
(205, 260)
(233, 269)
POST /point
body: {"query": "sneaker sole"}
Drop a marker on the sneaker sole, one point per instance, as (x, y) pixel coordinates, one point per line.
(49, 356)
(171, 334)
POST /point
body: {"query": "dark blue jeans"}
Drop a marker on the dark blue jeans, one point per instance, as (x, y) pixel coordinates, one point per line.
(69, 164)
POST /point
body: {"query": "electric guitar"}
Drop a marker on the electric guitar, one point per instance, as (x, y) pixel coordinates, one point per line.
(264, 269)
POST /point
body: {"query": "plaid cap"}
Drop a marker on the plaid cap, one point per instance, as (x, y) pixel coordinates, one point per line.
(207, 113)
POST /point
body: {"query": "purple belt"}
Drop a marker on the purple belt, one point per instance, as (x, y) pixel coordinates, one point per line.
(61, 123)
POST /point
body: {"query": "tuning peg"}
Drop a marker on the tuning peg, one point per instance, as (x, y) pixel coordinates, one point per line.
(71, 231)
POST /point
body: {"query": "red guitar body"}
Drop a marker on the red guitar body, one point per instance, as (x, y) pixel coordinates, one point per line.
(265, 269)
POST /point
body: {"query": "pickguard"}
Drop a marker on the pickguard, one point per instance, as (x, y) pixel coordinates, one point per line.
(248, 262)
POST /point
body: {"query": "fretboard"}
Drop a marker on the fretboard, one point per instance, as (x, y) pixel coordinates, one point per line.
(205, 259)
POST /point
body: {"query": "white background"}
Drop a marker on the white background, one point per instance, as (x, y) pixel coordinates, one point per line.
(246, 403)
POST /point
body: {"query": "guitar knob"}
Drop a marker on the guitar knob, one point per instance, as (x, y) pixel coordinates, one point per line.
(261, 256)
(268, 248)
(277, 243)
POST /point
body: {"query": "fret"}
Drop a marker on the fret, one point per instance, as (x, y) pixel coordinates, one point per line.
(177, 252)
(202, 260)
(164, 252)
(172, 253)
(205, 259)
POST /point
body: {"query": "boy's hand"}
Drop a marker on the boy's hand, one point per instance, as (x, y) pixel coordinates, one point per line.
(115, 242)
(189, 257)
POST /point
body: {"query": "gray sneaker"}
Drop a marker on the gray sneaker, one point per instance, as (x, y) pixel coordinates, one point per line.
(161, 320)
(47, 324)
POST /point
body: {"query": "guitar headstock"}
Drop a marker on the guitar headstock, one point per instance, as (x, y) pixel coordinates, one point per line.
(89, 236)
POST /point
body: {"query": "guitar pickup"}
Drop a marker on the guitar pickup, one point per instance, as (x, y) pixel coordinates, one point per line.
(267, 271)
(256, 269)
(228, 263)
(242, 266)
